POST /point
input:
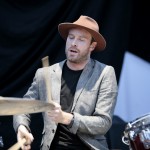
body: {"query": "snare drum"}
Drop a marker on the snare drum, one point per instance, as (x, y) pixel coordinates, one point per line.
(137, 133)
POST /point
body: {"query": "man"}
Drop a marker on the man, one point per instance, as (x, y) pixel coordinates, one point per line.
(84, 91)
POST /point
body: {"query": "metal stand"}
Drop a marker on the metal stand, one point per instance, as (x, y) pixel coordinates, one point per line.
(1, 142)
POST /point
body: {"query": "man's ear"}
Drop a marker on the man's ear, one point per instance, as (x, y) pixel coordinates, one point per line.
(92, 46)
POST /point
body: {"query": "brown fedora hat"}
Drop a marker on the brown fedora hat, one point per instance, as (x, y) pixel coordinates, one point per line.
(88, 24)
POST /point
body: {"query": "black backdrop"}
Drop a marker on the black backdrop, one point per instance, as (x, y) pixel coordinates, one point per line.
(28, 32)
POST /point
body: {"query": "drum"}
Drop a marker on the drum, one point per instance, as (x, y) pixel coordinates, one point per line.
(137, 133)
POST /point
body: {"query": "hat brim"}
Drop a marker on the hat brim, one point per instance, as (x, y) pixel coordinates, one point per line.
(64, 28)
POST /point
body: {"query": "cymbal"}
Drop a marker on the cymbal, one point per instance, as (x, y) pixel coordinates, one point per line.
(14, 106)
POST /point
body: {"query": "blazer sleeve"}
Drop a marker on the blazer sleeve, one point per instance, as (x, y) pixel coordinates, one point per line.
(32, 93)
(101, 120)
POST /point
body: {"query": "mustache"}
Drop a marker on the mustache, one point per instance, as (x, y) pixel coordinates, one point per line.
(73, 48)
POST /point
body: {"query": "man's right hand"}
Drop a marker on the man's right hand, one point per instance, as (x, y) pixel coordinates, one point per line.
(24, 133)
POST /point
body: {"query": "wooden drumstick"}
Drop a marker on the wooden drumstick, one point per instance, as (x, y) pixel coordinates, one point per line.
(45, 63)
(18, 144)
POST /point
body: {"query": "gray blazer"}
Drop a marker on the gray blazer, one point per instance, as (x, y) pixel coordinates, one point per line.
(93, 105)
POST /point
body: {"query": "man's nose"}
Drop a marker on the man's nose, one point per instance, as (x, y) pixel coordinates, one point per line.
(74, 43)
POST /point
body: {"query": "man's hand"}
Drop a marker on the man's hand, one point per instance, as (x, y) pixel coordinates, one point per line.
(59, 116)
(24, 133)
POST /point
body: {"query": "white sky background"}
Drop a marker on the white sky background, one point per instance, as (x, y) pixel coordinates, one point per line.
(134, 88)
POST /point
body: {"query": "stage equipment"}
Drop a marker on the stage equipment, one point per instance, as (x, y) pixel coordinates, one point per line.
(137, 133)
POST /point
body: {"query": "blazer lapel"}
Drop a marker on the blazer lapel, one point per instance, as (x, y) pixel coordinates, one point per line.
(86, 74)
(56, 72)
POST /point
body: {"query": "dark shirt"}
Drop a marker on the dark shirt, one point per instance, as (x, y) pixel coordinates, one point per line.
(64, 139)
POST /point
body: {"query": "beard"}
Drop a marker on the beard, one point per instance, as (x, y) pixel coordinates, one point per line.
(77, 57)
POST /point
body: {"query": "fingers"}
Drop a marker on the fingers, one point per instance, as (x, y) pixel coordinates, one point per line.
(57, 105)
(27, 144)
(29, 139)
(56, 111)
(24, 133)
(26, 147)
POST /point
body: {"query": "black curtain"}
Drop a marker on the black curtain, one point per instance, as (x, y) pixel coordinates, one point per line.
(28, 32)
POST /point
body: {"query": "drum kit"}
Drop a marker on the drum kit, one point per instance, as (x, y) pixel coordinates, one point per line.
(137, 133)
